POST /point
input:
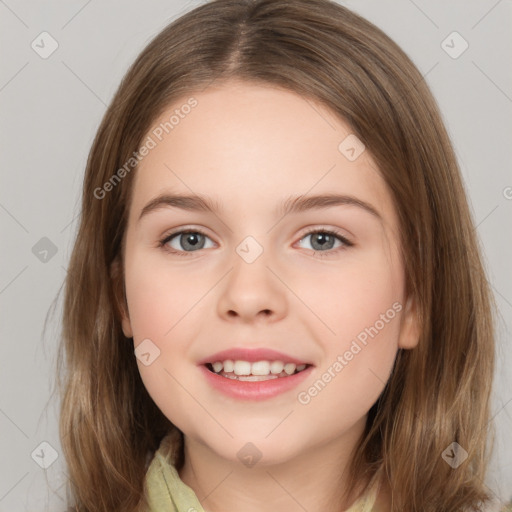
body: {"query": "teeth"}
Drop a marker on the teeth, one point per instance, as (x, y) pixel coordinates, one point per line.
(290, 368)
(244, 370)
(260, 368)
(276, 367)
(257, 378)
(228, 366)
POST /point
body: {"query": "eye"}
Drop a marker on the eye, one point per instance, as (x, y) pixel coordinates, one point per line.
(323, 241)
(192, 240)
(181, 242)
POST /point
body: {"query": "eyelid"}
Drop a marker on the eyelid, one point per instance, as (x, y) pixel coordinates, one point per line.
(330, 230)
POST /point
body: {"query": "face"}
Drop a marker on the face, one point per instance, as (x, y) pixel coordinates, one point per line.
(323, 285)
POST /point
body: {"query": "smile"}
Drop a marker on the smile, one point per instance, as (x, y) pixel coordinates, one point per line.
(259, 380)
(257, 371)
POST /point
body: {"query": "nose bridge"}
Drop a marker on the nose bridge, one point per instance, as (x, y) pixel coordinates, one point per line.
(250, 261)
(251, 287)
(250, 249)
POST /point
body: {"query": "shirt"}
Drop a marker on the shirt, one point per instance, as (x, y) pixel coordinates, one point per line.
(166, 492)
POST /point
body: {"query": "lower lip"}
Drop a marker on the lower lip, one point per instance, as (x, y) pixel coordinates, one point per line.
(246, 390)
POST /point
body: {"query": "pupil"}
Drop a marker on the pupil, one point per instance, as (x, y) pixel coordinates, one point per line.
(192, 236)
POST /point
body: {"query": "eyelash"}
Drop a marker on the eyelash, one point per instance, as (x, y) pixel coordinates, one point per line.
(332, 232)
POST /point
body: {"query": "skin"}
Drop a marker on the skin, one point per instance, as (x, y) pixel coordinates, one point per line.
(250, 147)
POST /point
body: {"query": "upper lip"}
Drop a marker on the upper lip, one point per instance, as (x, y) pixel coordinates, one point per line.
(251, 355)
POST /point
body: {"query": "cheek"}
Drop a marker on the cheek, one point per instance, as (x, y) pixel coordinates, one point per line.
(157, 300)
(159, 296)
(352, 296)
(162, 302)
(360, 307)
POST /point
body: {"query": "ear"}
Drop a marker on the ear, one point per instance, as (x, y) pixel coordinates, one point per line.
(117, 276)
(410, 326)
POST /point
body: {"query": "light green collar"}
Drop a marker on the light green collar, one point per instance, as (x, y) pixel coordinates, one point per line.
(166, 492)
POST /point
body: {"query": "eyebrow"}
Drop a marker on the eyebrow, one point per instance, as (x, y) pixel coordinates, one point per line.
(292, 204)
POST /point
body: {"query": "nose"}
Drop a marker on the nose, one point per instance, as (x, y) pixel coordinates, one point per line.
(252, 292)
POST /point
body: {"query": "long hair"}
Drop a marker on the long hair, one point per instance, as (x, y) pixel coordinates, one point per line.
(438, 392)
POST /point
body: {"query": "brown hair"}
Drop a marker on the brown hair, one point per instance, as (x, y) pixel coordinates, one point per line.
(438, 392)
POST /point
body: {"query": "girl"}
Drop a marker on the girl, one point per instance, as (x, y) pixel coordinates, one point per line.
(276, 298)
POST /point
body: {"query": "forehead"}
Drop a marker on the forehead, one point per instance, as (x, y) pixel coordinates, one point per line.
(250, 146)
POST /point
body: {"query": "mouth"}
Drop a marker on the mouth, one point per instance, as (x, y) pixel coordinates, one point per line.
(255, 371)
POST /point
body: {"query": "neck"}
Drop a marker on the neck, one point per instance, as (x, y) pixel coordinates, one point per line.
(312, 480)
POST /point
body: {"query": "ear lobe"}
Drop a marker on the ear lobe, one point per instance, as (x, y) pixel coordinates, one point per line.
(410, 326)
(117, 276)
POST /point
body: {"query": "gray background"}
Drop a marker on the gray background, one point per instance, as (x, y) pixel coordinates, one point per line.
(51, 109)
